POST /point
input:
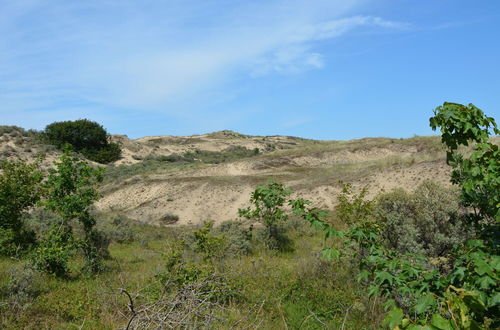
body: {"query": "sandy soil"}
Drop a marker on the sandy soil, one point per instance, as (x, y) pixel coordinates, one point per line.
(215, 192)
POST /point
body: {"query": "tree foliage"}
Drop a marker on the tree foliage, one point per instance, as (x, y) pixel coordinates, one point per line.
(70, 192)
(86, 137)
(19, 191)
(477, 175)
(268, 201)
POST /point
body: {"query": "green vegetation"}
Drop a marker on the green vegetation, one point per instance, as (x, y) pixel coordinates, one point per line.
(86, 137)
(268, 204)
(19, 191)
(71, 191)
(426, 259)
(459, 290)
(211, 157)
(190, 159)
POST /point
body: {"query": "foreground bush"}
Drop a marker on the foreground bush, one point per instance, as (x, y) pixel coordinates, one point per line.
(19, 191)
(462, 291)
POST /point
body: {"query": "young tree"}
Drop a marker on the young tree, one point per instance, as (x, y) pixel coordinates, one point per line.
(268, 204)
(70, 193)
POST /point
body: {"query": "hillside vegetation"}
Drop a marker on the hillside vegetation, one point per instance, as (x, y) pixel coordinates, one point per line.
(230, 231)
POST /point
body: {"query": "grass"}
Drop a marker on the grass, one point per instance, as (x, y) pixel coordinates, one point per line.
(278, 290)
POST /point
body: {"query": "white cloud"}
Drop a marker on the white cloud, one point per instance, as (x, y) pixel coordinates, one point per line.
(135, 55)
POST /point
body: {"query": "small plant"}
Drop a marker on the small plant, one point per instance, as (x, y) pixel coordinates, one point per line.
(119, 229)
(169, 218)
(208, 244)
(23, 287)
(54, 251)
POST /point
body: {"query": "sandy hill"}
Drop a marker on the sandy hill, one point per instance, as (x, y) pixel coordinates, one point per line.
(210, 176)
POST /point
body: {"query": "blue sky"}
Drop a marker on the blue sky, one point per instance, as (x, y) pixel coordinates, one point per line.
(322, 69)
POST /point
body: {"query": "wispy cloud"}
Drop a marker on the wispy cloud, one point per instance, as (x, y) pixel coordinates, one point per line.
(149, 55)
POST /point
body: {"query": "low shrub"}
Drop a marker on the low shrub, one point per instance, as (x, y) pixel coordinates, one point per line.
(23, 287)
(429, 221)
(238, 237)
(268, 209)
(118, 229)
(16, 243)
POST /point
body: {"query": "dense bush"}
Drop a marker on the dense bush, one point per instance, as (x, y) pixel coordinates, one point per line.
(238, 237)
(86, 137)
(353, 208)
(429, 221)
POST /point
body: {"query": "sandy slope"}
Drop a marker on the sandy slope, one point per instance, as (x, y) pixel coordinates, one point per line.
(215, 192)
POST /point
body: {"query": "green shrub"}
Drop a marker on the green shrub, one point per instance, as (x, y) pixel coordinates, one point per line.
(181, 273)
(54, 251)
(106, 154)
(429, 221)
(15, 243)
(19, 191)
(70, 192)
(86, 137)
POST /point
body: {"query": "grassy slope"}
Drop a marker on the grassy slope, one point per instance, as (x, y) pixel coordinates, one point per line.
(280, 290)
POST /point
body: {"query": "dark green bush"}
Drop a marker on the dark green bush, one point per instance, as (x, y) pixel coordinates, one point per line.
(86, 137)
(429, 221)
(109, 153)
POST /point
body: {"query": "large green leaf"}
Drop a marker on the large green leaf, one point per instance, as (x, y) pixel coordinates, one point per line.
(424, 303)
(393, 318)
(441, 323)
